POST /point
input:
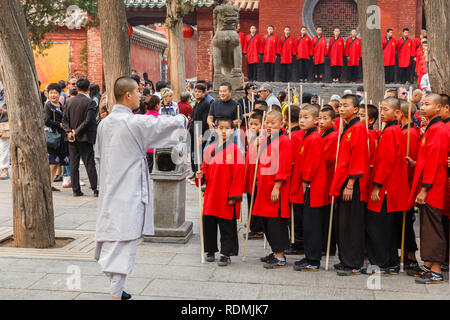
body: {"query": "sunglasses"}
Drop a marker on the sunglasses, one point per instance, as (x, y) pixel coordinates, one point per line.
(404, 93)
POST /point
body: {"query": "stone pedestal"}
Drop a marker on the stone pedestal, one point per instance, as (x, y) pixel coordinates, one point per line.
(169, 199)
(236, 80)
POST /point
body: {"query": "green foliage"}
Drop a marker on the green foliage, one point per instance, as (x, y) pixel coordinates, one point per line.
(42, 17)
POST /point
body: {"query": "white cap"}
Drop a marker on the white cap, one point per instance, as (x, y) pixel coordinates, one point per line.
(335, 97)
(348, 92)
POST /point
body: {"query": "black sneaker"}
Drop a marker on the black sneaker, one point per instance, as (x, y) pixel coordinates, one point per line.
(339, 266)
(275, 263)
(55, 190)
(78, 194)
(444, 267)
(96, 193)
(210, 257)
(58, 178)
(411, 264)
(294, 251)
(348, 272)
(394, 270)
(126, 296)
(267, 258)
(418, 271)
(254, 236)
(306, 266)
(224, 261)
(430, 277)
(375, 270)
(300, 262)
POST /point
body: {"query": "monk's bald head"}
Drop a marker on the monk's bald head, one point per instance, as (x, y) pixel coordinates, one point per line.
(392, 102)
(433, 98)
(123, 86)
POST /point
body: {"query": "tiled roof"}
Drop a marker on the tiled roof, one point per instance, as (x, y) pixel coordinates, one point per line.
(162, 3)
(243, 5)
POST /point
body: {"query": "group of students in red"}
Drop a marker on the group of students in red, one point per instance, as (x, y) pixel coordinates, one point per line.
(307, 52)
(331, 156)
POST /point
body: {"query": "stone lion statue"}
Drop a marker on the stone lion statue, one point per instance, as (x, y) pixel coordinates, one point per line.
(227, 51)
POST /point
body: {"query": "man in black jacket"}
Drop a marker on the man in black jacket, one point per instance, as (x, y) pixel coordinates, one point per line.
(201, 111)
(81, 127)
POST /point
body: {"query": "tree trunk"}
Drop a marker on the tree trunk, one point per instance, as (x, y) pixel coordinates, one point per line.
(174, 24)
(438, 24)
(33, 216)
(115, 44)
(372, 53)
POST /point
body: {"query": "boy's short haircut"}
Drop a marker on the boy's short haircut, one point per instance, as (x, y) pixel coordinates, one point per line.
(262, 108)
(229, 120)
(276, 108)
(329, 109)
(184, 97)
(405, 29)
(353, 98)
(404, 107)
(276, 114)
(334, 103)
(210, 85)
(393, 102)
(311, 108)
(295, 112)
(437, 99)
(445, 100)
(261, 103)
(373, 112)
(388, 30)
(257, 116)
(200, 87)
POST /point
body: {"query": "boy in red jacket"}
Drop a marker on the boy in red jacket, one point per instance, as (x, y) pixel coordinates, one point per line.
(286, 51)
(255, 124)
(330, 137)
(253, 49)
(336, 53)
(313, 186)
(270, 47)
(304, 51)
(222, 171)
(389, 192)
(350, 186)
(410, 237)
(374, 135)
(428, 190)
(272, 199)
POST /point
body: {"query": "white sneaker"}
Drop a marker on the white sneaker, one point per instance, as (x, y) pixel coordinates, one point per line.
(82, 183)
(66, 183)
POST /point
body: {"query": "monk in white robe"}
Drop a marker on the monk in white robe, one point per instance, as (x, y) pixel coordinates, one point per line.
(125, 200)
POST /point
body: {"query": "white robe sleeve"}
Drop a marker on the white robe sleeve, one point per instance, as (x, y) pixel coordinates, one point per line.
(161, 132)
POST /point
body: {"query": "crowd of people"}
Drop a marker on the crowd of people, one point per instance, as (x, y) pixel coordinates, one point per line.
(308, 157)
(297, 57)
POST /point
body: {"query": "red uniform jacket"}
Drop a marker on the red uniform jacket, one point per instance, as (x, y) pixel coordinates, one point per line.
(419, 54)
(275, 164)
(270, 45)
(250, 164)
(223, 171)
(446, 210)
(431, 166)
(310, 167)
(414, 140)
(330, 140)
(389, 171)
(304, 47)
(336, 51)
(253, 48)
(337, 124)
(296, 142)
(319, 47)
(389, 47)
(286, 48)
(242, 39)
(353, 50)
(405, 50)
(421, 67)
(417, 46)
(353, 159)
(374, 135)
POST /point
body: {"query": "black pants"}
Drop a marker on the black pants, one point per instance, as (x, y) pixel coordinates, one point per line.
(286, 72)
(389, 74)
(255, 222)
(303, 65)
(319, 70)
(229, 244)
(403, 74)
(312, 230)
(445, 226)
(350, 227)
(412, 71)
(298, 227)
(252, 69)
(85, 151)
(380, 231)
(353, 73)
(410, 237)
(269, 72)
(432, 236)
(336, 72)
(325, 230)
(276, 232)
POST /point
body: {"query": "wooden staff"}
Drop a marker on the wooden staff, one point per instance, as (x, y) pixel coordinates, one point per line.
(239, 141)
(258, 148)
(402, 249)
(380, 124)
(301, 95)
(330, 227)
(199, 164)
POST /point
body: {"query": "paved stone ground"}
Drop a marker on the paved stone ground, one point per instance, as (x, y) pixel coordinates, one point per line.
(167, 271)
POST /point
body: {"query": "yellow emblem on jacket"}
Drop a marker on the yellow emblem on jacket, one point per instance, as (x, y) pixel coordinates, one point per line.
(229, 157)
(424, 140)
(349, 136)
(302, 149)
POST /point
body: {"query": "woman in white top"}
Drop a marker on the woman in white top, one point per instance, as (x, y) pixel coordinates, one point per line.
(168, 106)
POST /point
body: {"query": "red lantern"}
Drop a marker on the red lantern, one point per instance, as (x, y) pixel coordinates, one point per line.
(188, 32)
(130, 30)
